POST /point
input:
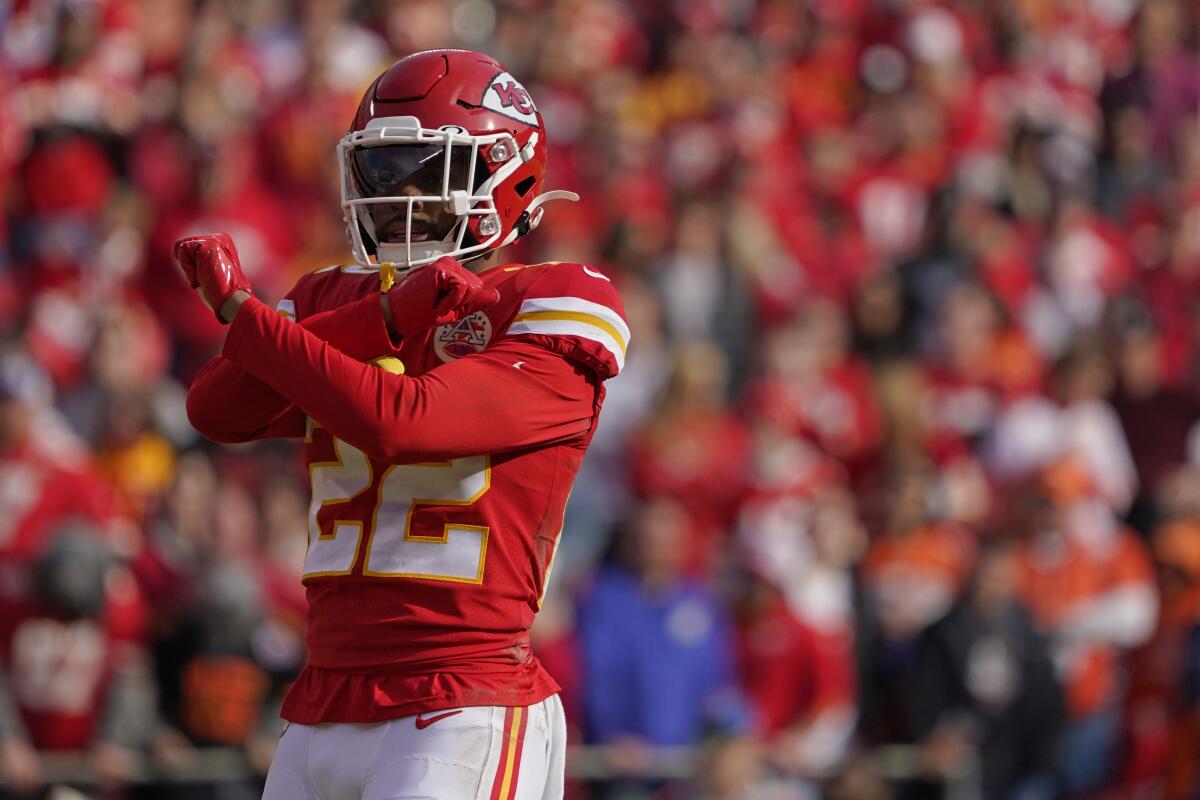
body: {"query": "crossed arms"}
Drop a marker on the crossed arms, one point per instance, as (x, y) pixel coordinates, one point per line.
(273, 374)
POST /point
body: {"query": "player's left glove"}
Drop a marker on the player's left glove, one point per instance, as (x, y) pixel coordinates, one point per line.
(210, 264)
(436, 294)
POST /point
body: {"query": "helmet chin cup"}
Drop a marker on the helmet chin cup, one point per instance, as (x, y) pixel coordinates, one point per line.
(406, 257)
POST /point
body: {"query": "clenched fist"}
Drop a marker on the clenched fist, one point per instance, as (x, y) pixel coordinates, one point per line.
(436, 294)
(210, 264)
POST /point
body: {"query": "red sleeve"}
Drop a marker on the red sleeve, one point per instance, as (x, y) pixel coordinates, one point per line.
(513, 395)
(228, 405)
(575, 311)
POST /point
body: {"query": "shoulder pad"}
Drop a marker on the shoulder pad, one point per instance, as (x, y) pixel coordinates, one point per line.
(575, 310)
(318, 290)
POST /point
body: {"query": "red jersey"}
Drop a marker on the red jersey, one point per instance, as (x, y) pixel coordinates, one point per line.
(439, 493)
(38, 492)
(777, 660)
(60, 671)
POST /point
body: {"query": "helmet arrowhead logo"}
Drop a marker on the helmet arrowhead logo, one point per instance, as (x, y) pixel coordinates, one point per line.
(505, 95)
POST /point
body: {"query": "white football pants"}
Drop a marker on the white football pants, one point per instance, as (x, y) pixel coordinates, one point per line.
(472, 753)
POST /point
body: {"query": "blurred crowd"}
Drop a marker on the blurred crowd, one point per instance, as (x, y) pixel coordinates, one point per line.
(905, 451)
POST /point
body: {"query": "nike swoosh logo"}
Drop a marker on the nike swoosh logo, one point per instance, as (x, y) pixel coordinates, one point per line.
(425, 723)
(594, 274)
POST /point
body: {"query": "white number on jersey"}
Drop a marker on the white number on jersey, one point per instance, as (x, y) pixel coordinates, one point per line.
(57, 666)
(393, 551)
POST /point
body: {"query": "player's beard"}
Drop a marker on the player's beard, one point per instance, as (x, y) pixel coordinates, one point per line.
(425, 227)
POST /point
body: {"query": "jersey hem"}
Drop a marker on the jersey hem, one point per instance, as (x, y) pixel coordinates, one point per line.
(321, 695)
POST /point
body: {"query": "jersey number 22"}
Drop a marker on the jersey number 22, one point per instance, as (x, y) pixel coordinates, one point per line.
(385, 519)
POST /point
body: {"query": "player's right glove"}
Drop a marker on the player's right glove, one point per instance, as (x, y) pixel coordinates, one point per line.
(436, 294)
(210, 264)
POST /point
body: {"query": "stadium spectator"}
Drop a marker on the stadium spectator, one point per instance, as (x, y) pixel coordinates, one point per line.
(799, 554)
(655, 645)
(1157, 417)
(985, 684)
(74, 668)
(1160, 722)
(911, 576)
(813, 387)
(776, 656)
(1089, 583)
(692, 448)
(46, 474)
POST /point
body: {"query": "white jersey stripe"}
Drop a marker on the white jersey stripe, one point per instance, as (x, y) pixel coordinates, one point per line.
(578, 305)
(548, 327)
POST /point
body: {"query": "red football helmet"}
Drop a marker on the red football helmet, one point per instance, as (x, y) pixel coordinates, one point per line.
(445, 158)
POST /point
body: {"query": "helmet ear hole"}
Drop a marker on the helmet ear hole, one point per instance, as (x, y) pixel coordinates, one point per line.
(524, 186)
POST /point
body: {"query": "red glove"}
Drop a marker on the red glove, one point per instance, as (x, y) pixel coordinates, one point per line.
(435, 294)
(210, 264)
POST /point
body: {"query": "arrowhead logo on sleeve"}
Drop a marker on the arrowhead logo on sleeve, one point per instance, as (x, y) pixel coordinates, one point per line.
(505, 95)
(457, 339)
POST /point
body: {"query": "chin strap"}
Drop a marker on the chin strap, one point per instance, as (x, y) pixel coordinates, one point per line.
(397, 253)
(532, 215)
(554, 194)
(390, 269)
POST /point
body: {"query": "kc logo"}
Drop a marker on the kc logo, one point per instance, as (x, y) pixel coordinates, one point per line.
(505, 95)
(513, 94)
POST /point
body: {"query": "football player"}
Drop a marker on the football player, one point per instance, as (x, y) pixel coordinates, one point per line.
(445, 398)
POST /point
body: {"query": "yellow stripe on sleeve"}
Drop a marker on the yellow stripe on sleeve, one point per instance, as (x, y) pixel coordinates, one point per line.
(576, 316)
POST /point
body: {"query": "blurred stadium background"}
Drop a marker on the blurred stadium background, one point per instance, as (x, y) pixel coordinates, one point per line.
(898, 496)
